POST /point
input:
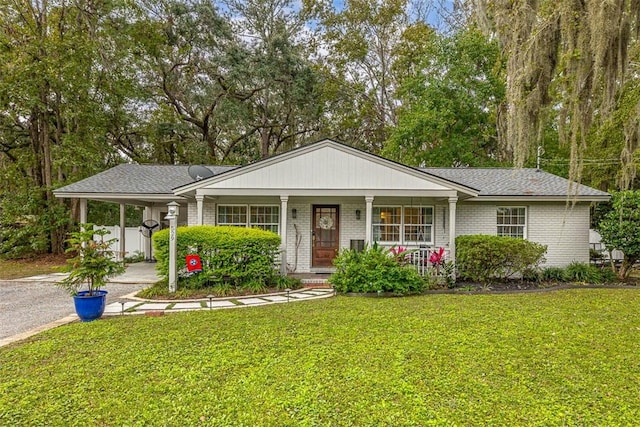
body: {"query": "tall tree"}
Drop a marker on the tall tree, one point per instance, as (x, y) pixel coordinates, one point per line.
(451, 95)
(360, 39)
(58, 70)
(191, 57)
(566, 60)
(284, 110)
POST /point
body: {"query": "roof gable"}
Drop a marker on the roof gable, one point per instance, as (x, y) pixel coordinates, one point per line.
(326, 165)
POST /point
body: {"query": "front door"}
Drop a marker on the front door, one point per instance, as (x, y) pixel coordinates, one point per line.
(325, 230)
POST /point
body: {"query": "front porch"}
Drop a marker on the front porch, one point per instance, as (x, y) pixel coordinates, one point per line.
(314, 229)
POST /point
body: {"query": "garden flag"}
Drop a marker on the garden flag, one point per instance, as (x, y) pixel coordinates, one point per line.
(194, 265)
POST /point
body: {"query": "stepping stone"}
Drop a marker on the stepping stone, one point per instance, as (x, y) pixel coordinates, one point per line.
(249, 301)
(116, 307)
(275, 298)
(300, 295)
(317, 293)
(223, 303)
(186, 305)
(153, 306)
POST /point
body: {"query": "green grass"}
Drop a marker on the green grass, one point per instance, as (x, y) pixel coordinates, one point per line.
(15, 269)
(553, 358)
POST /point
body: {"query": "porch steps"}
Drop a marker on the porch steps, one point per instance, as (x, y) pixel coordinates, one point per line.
(316, 283)
(313, 280)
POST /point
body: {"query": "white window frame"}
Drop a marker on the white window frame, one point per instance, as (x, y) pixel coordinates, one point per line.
(405, 225)
(524, 226)
(232, 224)
(375, 224)
(247, 220)
(402, 240)
(261, 225)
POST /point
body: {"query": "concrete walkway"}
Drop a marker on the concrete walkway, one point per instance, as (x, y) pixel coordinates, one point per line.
(132, 305)
(34, 304)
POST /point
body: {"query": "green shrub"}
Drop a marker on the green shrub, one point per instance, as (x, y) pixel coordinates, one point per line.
(553, 274)
(581, 272)
(135, 257)
(375, 270)
(532, 275)
(241, 257)
(483, 258)
(608, 275)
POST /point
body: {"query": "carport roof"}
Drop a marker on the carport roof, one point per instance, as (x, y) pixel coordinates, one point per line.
(134, 184)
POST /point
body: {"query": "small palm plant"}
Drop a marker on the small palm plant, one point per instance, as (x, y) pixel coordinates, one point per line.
(93, 262)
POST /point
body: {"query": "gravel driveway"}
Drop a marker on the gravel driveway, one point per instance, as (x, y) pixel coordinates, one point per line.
(27, 305)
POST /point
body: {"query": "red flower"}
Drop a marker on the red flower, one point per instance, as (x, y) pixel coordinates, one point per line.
(437, 258)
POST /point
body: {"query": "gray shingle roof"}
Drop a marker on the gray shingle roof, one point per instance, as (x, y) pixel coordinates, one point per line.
(137, 179)
(513, 182)
(162, 179)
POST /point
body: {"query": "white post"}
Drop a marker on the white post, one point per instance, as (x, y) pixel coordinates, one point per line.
(123, 223)
(83, 211)
(452, 228)
(148, 250)
(200, 209)
(283, 234)
(368, 221)
(172, 216)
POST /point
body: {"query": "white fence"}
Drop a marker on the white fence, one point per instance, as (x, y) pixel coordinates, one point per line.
(420, 257)
(133, 239)
(595, 243)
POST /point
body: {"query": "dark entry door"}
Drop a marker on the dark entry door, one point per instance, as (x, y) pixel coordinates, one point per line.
(325, 235)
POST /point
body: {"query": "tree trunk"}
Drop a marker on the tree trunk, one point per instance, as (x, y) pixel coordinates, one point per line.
(264, 142)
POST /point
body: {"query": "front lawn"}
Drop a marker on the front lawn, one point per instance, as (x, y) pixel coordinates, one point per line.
(551, 358)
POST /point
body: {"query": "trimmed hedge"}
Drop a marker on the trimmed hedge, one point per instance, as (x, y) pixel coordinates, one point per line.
(375, 269)
(483, 258)
(236, 256)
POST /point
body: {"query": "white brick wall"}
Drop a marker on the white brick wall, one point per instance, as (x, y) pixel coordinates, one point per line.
(209, 213)
(192, 213)
(441, 225)
(302, 223)
(476, 218)
(350, 227)
(563, 229)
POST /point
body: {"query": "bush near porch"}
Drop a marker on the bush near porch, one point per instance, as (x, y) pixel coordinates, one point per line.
(376, 269)
(483, 258)
(232, 257)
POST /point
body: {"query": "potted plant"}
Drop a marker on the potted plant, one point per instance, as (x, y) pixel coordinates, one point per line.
(92, 265)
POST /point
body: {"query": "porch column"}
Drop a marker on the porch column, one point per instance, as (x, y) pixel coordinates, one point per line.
(200, 209)
(148, 250)
(368, 221)
(452, 228)
(83, 211)
(123, 224)
(283, 234)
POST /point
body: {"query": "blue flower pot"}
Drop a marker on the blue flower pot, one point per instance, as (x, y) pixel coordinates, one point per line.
(90, 307)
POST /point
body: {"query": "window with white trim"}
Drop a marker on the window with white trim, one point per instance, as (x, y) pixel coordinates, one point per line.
(234, 215)
(512, 221)
(387, 223)
(418, 223)
(403, 224)
(265, 217)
